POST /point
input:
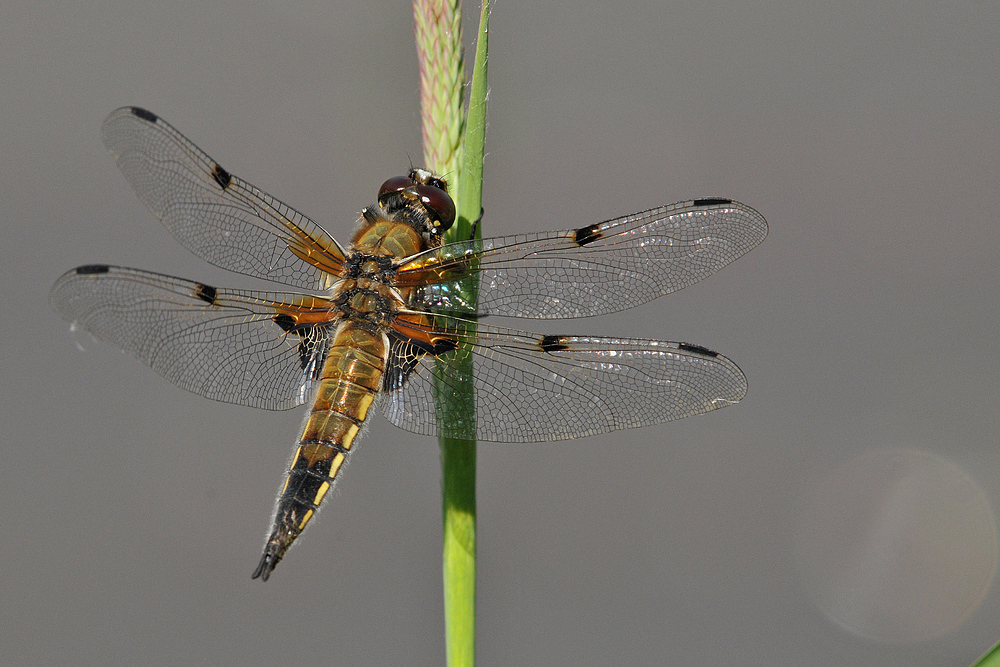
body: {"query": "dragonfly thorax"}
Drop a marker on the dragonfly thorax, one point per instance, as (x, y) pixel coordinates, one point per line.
(370, 301)
(373, 267)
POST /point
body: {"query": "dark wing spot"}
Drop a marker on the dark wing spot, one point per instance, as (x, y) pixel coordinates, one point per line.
(221, 176)
(312, 347)
(405, 354)
(309, 339)
(587, 234)
(306, 347)
(445, 345)
(91, 269)
(403, 358)
(552, 344)
(712, 201)
(286, 322)
(439, 347)
(147, 116)
(697, 349)
(206, 293)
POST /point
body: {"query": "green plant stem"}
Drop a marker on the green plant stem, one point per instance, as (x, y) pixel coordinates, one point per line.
(458, 464)
(453, 148)
(458, 457)
(991, 659)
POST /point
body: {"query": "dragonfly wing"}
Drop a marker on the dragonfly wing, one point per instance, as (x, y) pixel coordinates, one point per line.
(217, 216)
(593, 270)
(260, 349)
(530, 388)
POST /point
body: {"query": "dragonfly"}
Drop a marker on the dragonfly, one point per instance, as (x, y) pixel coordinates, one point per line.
(385, 320)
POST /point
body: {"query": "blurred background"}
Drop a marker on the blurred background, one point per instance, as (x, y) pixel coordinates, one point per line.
(843, 514)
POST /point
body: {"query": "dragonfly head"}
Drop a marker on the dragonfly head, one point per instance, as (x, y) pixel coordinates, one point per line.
(423, 193)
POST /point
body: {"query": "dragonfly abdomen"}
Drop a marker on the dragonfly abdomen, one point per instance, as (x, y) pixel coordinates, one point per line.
(352, 374)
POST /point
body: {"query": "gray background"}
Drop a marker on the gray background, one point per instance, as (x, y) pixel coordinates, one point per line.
(866, 133)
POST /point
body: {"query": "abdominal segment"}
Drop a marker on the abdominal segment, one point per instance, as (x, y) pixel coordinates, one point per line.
(352, 374)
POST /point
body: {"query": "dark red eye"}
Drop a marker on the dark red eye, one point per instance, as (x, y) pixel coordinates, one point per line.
(394, 184)
(438, 203)
(431, 190)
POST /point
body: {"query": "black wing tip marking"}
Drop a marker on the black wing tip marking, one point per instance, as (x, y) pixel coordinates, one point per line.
(221, 176)
(587, 234)
(206, 293)
(697, 349)
(145, 115)
(91, 269)
(712, 201)
(552, 344)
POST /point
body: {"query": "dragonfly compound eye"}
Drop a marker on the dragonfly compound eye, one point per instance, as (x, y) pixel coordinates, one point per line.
(438, 203)
(394, 184)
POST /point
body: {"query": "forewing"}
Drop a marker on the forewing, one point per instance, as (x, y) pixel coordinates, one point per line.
(592, 270)
(217, 216)
(531, 388)
(260, 349)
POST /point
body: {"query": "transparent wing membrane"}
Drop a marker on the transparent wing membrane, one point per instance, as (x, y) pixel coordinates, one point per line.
(531, 387)
(227, 345)
(214, 214)
(603, 268)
